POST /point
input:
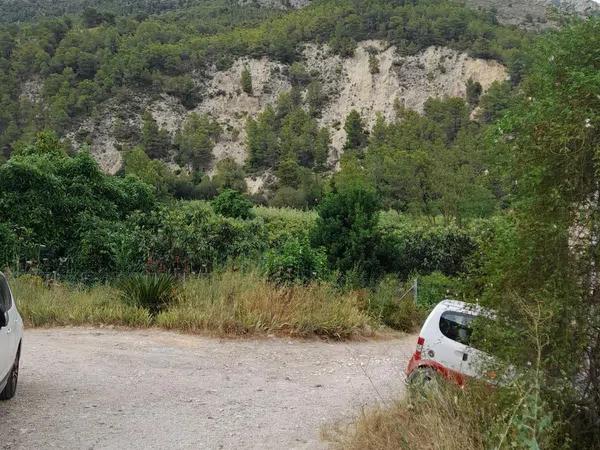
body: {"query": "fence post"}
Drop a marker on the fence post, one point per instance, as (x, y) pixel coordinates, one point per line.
(416, 289)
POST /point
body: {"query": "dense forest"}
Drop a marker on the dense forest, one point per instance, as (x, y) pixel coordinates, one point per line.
(482, 196)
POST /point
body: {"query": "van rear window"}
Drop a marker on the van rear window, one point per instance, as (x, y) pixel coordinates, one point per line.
(456, 326)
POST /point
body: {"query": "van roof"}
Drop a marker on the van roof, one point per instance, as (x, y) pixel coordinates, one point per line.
(457, 305)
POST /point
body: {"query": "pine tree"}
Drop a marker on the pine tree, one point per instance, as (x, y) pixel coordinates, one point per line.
(356, 135)
(246, 81)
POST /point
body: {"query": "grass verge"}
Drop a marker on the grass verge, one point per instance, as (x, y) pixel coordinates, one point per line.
(443, 417)
(229, 303)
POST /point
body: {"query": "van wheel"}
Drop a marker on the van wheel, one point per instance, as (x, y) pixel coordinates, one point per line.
(11, 385)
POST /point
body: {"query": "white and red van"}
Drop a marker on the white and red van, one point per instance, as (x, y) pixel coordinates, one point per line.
(443, 347)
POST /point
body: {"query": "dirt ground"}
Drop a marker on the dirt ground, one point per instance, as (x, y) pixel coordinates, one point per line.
(112, 389)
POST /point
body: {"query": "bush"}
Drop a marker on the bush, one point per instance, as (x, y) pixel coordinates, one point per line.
(152, 292)
(230, 203)
(296, 262)
(386, 306)
(284, 224)
(347, 229)
(434, 288)
(8, 245)
(407, 248)
(190, 237)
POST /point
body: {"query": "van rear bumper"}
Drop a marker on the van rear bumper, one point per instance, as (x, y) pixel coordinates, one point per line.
(416, 362)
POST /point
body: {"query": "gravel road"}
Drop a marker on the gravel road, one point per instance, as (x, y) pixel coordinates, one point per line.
(113, 389)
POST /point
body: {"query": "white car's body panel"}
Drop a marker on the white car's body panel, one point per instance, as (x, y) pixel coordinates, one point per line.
(11, 334)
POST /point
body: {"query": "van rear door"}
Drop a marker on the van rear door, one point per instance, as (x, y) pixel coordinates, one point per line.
(452, 344)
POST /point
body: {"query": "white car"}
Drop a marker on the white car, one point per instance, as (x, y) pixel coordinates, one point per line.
(11, 336)
(443, 346)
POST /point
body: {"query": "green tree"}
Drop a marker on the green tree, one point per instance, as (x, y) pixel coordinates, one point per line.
(474, 90)
(156, 141)
(315, 98)
(356, 134)
(246, 81)
(347, 229)
(196, 141)
(229, 175)
(542, 273)
(262, 140)
(230, 203)
(373, 64)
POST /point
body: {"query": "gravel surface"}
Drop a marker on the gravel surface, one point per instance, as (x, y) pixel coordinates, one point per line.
(101, 388)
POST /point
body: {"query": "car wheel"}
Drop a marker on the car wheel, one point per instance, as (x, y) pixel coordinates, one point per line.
(422, 376)
(11, 385)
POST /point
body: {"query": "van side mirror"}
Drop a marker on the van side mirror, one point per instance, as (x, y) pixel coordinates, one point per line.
(3, 319)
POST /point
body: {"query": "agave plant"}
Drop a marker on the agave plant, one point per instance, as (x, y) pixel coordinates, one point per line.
(151, 291)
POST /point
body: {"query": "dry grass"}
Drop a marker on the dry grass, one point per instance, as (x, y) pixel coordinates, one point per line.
(229, 303)
(237, 303)
(445, 418)
(43, 305)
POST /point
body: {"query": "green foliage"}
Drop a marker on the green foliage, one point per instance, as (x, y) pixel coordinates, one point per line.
(92, 18)
(229, 175)
(190, 237)
(152, 292)
(246, 81)
(298, 75)
(196, 141)
(230, 203)
(285, 224)
(356, 134)
(48, 197)
(385, 304)
(436, 164)
(8, 245)
(548, 263)
(474, 90)
(495, 102)
(347, 229)
(408, 248)
(296, 262)
(435, 287)
(287, 137)
(156, 141)
(152, 47)
(373, 64)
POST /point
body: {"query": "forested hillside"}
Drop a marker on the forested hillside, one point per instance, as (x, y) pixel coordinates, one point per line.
(285, 167)
(173, 84)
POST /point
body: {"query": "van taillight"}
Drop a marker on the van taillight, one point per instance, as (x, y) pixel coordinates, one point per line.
(419, 350)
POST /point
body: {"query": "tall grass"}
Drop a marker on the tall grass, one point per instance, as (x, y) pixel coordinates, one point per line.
(444, 417)
(228, 303)
(238, 303)
(43, 305)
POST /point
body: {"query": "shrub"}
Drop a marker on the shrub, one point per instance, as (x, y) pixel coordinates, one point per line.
(296, 262)
(284, 224)
(230, 203)
(152, 292)
(347, 229)
(190, 237)
(386, 305)
(407, 248)
(434, 288)
(8, 245)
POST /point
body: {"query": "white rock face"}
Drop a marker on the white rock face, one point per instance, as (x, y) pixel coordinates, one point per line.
(435, 72)
(348, 83)
(230, 106)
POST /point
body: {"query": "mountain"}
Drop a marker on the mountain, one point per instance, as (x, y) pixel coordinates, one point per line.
(168, 75)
